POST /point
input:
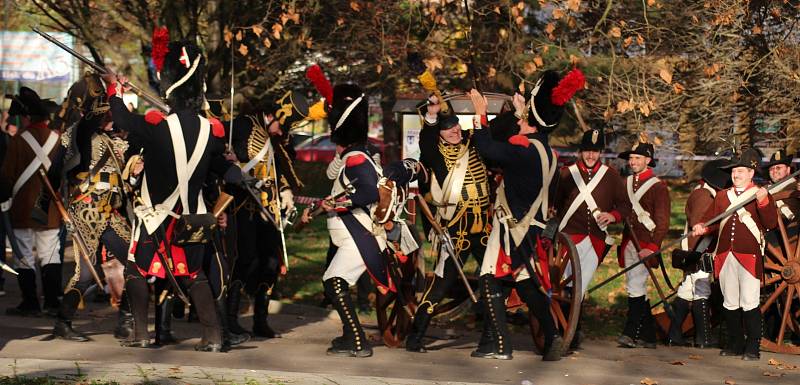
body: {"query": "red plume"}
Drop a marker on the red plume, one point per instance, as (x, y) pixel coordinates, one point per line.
(159, 47)
(567, 87)
(320, 82)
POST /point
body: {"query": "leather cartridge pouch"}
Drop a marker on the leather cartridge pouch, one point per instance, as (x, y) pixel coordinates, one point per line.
(194, 229)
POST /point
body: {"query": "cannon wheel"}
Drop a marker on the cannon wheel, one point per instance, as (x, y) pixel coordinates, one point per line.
(394, 321)
(782, 269)
(565, 279)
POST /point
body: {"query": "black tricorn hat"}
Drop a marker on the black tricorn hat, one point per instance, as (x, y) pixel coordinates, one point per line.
(749, 158)
(714, 176)
(779, 157)
(182, 76)
(592, 140)
(348, 116)
(29, 103)
(642, 147)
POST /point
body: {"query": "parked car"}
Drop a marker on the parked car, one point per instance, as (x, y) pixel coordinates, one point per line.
(321, 149)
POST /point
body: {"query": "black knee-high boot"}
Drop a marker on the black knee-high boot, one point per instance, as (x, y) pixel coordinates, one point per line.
(353, 342)
(202, 299)
(124, 318)
(29, 307)
(138, 298)
(233, 301)
(495, 339)
(261, 326)
(680, 307)
(63, 327)
(752, 324)
(630, 333)
(422, 318)
(51, 286)
(228, 338)
(733, 322)
(648, 327)
(538, 305)
(702, 323)
(164, 321)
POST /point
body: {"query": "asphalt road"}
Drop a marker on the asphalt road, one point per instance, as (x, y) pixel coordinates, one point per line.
(299, 357)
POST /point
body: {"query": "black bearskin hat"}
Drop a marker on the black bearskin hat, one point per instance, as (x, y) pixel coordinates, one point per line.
(348, 117)
(183, 76)
(548, 97)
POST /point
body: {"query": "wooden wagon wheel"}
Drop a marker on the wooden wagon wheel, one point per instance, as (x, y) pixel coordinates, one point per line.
(565, 279)
(394, 322)
(782, 271)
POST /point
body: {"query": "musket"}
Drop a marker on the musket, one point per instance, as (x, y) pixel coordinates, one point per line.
(730, 211)
(444, 239)
(153, 100)
(316, 208)
(83, 249)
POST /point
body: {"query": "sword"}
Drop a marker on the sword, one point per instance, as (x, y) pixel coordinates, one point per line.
(168, 266)
(153, 100)
(83, 250)
(445, 240)
(316, 208)
(276, 192)
(728, 212)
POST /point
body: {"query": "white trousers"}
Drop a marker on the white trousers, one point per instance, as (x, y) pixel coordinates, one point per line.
(739, 288)
(589, 261)
(695, 286)
(347, 263)
(636, 278)
(45, 242)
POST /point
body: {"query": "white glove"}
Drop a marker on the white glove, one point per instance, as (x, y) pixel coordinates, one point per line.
(287, 200)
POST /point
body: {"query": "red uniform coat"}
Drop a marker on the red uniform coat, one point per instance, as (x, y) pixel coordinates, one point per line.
(656, 202)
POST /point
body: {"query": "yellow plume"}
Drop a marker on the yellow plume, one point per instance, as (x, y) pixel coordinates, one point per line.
(317, 111)
(428, 82)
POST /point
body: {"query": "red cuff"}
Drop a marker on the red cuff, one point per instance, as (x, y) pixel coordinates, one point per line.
(763, 202)
(112, 89)
(617, 216)
(649, 246)
(484, 120)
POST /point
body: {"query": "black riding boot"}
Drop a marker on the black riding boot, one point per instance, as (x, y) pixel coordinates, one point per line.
(164, 322)
(680, 307)
(353, 342)
(138, 298)
(63, 327)
(124, 319)
(261, 326)
(648, 327)
(702, 323)
(29, 307)
(233, 301)
(422, 318)
(495, 318)
(51, 286)
(752, 324)
(203, 301)
(630, 333)
(228, 338)
(733, 321)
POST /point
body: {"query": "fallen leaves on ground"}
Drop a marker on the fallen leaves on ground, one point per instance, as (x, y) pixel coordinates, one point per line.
(730, 381)
(648, 381)
(781, 365)
(680, 363)
(695, 357)
(771, 374)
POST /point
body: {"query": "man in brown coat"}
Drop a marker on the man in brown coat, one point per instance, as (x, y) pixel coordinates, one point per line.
(739, 264)
(34, 221)
(645, 229)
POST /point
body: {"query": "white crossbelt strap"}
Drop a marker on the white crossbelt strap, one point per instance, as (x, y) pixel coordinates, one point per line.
(641, 214)
(541, 203)
(784, 209)
(363, 217)
(446, 197)
(584, 193)
(744, 215)
(685, 240)
(152, 215)
(259, 156)
(41, 159)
